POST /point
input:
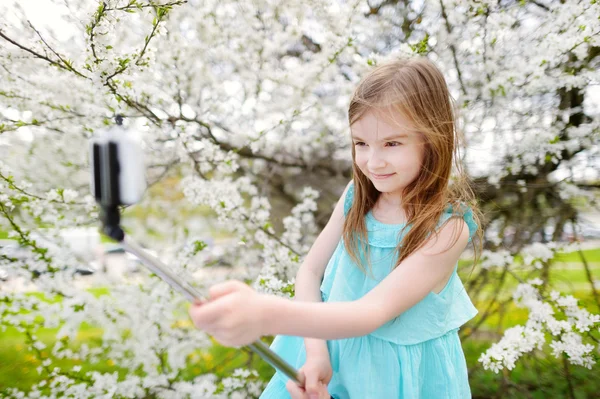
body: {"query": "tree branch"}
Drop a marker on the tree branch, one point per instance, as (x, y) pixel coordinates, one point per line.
(453, 49)
(38, 55)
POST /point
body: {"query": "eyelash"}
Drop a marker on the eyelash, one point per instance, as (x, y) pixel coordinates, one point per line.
(359, 143)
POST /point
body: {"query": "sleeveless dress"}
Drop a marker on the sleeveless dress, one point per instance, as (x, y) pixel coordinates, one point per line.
(417, 355)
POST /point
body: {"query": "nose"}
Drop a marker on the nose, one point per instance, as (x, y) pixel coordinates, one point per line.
(376, 161)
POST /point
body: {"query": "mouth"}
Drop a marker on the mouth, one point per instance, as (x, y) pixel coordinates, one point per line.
(382, 176)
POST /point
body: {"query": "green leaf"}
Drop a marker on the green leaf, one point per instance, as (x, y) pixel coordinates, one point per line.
(78, 308)
(199, 245)
(123, 62)
(421, 47)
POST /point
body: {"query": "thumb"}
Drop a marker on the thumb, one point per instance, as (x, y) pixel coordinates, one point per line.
(225, 288)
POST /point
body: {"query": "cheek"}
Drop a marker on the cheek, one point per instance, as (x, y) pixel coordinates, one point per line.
(408, 160)
(360, 158)
(411, 157)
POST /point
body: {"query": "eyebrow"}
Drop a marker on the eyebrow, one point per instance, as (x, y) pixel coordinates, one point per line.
(396, 136)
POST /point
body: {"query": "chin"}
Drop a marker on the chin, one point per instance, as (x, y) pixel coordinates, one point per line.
(385, 187)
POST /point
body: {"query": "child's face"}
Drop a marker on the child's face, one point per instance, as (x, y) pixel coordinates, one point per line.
(388, 150)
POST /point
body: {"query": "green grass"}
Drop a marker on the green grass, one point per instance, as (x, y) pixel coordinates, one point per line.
(591, 255)
(567, 273)
(533, 377)
(540, 378)
(18, 365)
(20, 371)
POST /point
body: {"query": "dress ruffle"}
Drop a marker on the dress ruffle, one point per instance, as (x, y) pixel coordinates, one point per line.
(363, 368)
(384, 235)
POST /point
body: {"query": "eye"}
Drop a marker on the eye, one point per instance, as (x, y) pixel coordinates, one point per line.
(393, 143)
(359, 143)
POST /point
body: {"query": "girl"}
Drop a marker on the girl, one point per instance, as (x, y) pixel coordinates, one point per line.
(385, 265)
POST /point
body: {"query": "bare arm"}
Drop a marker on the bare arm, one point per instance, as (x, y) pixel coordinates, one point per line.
(310, 273)
(403, 288)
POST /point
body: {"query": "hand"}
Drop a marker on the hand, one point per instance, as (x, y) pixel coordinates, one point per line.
(317, 373)
(234, 316)
(319, 391)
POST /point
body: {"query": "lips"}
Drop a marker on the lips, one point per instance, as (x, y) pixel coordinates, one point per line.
(381, 176)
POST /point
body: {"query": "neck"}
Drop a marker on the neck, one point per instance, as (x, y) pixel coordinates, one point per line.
(391, 199)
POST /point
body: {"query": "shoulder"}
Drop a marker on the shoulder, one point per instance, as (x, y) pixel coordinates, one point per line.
(451, 238)
(459, 216)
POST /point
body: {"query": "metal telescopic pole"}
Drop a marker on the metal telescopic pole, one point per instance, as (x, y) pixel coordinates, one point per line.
(112, 228)
(117, 177)
(161, 270)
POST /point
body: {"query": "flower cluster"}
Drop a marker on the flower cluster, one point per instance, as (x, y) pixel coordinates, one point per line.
(559, 315)
(243, 107)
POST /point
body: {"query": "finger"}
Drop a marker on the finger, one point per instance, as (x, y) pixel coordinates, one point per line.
(225, 288)
(295, 391)
(199, 301)
(312, 384)
(301, 376)
(207, 314)
(323, 392)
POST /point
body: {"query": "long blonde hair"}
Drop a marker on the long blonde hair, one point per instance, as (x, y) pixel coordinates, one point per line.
(416, 88)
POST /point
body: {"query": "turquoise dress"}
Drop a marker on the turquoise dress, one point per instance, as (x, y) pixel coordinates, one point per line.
(416, 355)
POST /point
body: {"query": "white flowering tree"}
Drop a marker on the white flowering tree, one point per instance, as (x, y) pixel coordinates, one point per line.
(242, 109)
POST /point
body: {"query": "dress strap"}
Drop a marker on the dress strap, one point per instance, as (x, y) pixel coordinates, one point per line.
(466, 213)
(349, 199)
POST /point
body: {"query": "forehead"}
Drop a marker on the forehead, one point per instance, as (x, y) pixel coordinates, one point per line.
(378, 123)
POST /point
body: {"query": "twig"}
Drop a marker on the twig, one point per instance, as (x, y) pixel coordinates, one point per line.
(588, 274)
(66, 63)
(43, 57)
(138, 6)
(453, 49)
(568, 377)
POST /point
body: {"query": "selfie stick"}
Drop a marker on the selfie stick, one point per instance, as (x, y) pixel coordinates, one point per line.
(118, 179)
